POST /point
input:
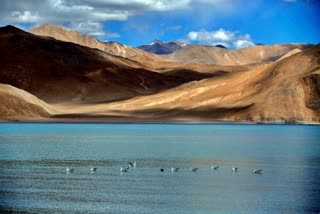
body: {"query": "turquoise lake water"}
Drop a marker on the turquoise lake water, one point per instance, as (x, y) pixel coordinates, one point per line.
(34, 157)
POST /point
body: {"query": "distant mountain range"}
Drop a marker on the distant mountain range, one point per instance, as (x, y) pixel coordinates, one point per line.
(250, 55)
(113, 48)
(161, 48)
(172, 51)
(53, 73)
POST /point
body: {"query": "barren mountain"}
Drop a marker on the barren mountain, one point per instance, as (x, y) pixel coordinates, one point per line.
(18, 104)
(159, 47)
(286, 90)
(58, 71)
(178, 52)
(79, 81)
(113, 48)
(290, 53)
(221, 56)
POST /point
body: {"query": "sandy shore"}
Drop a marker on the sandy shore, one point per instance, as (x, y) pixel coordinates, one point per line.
(129, 120)
(121, 119)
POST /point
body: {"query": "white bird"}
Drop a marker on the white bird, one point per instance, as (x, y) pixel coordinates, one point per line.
(214, 167)
(93, 169)
(257, 171)
(124, 169)
(134, 164)
(193, 169)
(174, 169)
(234, 169)
(71, 170)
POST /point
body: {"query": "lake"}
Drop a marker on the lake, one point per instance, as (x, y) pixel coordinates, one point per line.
(34, 157)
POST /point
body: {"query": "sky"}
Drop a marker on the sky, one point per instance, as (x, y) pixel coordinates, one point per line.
(232, 23)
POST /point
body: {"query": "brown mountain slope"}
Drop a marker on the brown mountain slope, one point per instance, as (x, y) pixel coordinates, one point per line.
(221, 56)
(290, 53)
(143, 59)
(113, 48)
(287, 90)
(58, 71)
(18, 104)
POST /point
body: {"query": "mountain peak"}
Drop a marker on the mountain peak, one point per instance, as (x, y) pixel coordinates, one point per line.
(50, 27)
(178, 43)
(10, 29)
(156, 41)
(64, 34)
(220, 46)
(160, 47)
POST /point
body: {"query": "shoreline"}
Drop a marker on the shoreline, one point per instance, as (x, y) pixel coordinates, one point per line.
(132, 120)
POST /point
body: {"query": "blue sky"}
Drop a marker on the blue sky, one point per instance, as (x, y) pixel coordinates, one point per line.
(233, 23)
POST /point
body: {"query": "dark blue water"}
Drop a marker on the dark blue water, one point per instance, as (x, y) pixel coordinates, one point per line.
(34, 157)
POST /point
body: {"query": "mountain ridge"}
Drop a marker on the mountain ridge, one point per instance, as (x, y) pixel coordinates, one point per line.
(59, 79)
(173, 51)
(113, 48)
(59, 71)
(17, 104)
(283, 91)
(213, 55)
(161, 48)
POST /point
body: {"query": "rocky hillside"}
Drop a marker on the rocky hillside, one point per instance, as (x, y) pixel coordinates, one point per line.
(58, 71)
(221, 56)
(113, 48)
(18, 104)
(279, 83)
(285, 91)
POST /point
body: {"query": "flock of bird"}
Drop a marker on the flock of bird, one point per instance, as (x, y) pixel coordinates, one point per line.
(134, 164)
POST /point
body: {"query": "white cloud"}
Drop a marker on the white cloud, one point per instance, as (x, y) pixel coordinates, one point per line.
(241, 43)
(193, 36)
(76, 14)
(226, 38)
(24, 17)
(91, 28)
(112, 35)
(166, 5)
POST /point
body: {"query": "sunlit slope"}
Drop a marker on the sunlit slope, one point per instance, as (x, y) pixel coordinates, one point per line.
(287, 90)
(213, 55)
(18, 104)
